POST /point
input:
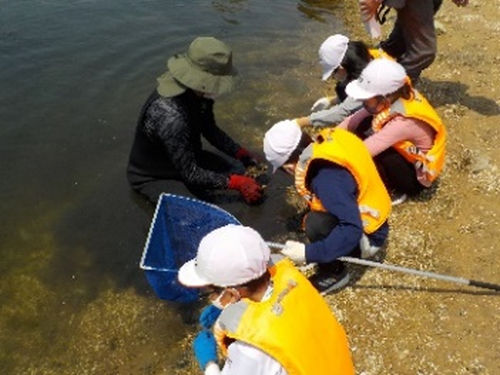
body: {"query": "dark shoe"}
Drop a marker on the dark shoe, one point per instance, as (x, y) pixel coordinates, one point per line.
(326, 282)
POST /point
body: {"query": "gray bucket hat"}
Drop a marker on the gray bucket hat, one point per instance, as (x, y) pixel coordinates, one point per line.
(207, 66)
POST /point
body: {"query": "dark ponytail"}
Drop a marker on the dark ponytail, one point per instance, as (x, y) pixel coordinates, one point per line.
(356, 58)
(305, 140)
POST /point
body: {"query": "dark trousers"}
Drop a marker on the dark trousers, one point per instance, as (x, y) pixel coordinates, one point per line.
(437, 5)
(397, 173)
(317, 226)
(209, 160)
(413, 40)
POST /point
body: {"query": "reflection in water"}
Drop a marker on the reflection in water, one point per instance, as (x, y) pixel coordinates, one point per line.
(229, 7)
(75, 74)
(229, 10)
(318, 10)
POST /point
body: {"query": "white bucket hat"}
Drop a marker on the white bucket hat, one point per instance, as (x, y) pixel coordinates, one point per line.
(331, 53)
(379, 77)
(228, 256)
(280, 141)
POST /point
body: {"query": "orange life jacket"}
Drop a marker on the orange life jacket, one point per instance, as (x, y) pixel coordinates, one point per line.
(295, 326)
(345, 149)
(431, 162)
(378, 53)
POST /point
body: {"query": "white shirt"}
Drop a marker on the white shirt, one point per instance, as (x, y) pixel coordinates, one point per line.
(245, 359)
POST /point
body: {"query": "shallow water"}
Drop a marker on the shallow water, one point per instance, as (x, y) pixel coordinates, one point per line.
(73, 77)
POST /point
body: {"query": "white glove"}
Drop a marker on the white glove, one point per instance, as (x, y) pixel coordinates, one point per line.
(296, 251)
(322, 103)
(367, 250)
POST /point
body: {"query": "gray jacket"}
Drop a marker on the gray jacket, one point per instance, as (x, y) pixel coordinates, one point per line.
(334, 115)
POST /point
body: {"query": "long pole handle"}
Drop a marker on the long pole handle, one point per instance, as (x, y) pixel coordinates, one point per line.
(391, 267)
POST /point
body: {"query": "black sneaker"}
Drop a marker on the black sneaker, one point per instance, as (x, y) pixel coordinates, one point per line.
(326, 282)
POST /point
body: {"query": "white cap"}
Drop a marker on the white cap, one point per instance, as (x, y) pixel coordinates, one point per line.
(280, 141)
(379, 77)
(228, 256)
(331, 53)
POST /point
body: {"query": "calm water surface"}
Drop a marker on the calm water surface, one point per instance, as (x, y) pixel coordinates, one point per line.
(73, 77)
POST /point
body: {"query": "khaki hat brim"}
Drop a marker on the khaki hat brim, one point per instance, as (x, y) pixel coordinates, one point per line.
(168, 86)
(199, 80)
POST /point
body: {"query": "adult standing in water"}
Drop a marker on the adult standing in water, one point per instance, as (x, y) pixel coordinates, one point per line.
(167, 154)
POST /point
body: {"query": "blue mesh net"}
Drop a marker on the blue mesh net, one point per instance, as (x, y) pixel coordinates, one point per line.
(178, 225)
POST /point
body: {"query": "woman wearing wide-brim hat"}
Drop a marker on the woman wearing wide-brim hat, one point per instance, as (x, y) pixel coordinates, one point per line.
(167, 154)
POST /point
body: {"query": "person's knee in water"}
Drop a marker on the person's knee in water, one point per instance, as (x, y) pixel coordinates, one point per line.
(168, 144)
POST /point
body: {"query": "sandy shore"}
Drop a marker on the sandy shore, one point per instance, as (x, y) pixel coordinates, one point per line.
(400, 324)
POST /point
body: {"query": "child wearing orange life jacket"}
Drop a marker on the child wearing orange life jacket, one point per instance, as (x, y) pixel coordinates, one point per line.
(407, 138)
(269, 311)
(343, 60)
